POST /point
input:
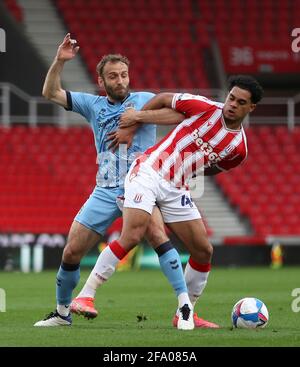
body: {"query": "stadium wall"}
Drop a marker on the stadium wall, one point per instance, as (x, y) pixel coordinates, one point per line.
(44, 251)
(21, 64)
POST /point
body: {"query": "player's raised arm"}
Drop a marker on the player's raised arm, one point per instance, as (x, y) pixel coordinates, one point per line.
(157, 111)
(52, 89)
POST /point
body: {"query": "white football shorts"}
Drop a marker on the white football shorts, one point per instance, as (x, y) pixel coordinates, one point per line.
(144, 189)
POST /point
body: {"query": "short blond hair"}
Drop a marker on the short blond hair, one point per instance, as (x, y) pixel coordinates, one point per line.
(110, 58)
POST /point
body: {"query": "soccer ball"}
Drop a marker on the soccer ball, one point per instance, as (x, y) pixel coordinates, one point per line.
(249, 313)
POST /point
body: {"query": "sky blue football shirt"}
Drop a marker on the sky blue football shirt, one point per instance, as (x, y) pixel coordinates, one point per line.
(103, 117)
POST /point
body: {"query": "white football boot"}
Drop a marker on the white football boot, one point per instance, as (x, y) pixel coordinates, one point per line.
(55, 319)
(185, 318)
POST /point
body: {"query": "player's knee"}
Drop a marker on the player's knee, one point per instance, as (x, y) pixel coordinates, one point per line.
(208, 251)
(135, 238)
(131, 239)
(203, 253)
(71, 256)
(156, 236)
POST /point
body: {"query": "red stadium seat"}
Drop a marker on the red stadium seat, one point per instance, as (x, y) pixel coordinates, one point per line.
(267, 192)
(43, 185)
(139, 36)
(264, 23)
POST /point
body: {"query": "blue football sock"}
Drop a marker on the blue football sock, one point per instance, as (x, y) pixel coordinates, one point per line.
(67, 279)
(171, 266)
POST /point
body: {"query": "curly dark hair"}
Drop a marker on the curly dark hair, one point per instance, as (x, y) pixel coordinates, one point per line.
(249, 83)
(110, 58)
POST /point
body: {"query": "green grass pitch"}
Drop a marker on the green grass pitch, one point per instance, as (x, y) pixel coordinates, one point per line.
(145, 295)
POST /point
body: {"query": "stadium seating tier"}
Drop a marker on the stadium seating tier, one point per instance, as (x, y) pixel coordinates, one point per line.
(47, 173)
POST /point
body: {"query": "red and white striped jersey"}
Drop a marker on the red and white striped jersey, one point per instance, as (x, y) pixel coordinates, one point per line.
(201, 140)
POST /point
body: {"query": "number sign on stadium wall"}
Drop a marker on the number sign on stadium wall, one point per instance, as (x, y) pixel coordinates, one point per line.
(259, 58)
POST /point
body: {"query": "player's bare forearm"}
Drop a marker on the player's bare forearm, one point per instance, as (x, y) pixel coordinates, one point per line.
(159, 101)
(52, 89)
(164, 116)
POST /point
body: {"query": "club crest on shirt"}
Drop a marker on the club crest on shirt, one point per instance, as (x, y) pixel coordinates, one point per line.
(138, 198)
(128, 105)
(229, 149)
(102, 113)
(227, 152)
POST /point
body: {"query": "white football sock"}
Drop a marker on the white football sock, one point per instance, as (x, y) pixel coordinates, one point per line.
(103, 269)
(196, 282)
(183, 299)
(63, 310)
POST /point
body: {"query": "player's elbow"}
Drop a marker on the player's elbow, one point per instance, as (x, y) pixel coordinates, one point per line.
(161, 100)
(165, 99)
(46, 94)
(51, 95)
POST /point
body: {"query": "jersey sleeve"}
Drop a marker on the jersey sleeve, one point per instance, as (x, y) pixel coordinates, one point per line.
(190, 104)
(80, 103)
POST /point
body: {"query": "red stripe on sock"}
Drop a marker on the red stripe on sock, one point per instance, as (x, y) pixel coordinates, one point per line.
(117, 249)
(204, 268)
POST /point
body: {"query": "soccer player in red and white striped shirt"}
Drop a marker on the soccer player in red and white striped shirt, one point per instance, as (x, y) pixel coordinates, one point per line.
(211, 139)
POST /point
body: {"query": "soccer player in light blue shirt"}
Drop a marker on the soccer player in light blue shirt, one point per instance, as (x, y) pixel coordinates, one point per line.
(101, 209)
(103, 116)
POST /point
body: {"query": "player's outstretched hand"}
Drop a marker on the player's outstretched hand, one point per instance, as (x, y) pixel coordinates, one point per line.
(128, 118)
(67, 49)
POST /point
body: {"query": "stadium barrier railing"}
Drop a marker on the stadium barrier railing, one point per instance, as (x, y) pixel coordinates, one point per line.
(61, 117)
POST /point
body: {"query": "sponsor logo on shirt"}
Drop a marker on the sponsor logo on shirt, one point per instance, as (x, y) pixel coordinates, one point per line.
(205, 147)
